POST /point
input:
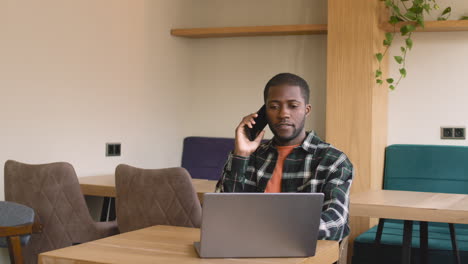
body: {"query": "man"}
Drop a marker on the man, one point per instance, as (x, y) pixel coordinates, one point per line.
(294, 160)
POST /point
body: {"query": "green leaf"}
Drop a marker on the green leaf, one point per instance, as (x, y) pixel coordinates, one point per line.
(398, 59)
(389, 80)
(378, 73)
(403, 72)
(427, 7)
(436, 7)
(379, 56)
(420, 21)
(389, 36)
(407, 29)
(447, 10)
(387, 43)
(388, 3)
(379, 81)
(392, 87)
(395, 19)
(396, 10)
(417, 10)
(403, 49)
(409, 43)
(411, 15)
(464, 18)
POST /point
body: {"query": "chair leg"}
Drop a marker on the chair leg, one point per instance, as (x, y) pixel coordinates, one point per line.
(14, 247)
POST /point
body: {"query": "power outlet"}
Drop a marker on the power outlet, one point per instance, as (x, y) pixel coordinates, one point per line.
(113, 149)
(459, 132)
(452, 133)
(446, 133)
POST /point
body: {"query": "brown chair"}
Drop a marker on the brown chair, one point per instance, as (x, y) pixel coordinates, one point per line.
(155, 197)
(53, 192)
(343, 251)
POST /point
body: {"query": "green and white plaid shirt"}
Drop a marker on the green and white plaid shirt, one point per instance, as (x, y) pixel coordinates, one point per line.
(314, 166)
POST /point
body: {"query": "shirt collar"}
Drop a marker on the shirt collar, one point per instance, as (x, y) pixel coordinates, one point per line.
(310, 143)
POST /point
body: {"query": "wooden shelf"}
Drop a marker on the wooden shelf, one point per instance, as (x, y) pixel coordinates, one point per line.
(222, 32)
(434, 26)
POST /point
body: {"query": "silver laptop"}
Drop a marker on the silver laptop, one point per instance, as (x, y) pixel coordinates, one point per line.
(259, 225)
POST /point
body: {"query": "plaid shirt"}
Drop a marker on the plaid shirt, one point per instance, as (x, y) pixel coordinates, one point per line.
(314, 166)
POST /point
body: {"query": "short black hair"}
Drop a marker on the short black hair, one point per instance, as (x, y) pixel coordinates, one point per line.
(289, 79)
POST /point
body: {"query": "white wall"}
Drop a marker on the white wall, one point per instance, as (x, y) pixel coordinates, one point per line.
(77, 74)
(434, 94)
(229, 74)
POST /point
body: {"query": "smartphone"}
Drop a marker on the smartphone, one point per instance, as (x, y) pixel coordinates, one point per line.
(260, 124)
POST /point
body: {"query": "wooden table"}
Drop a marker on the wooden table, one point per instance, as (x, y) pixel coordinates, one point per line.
(416, 206)
(412, 206)
(165, 244)
(104, 186)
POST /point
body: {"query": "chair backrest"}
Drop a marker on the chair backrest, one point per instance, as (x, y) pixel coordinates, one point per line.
(53, 192)
(204, 157)
(155, 197)
(14, 214)
(426, 168)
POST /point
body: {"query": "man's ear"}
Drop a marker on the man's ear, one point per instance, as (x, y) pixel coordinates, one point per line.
(308, 109)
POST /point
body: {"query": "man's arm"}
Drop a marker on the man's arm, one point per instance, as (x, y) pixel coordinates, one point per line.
(233, 177)
(335, 211)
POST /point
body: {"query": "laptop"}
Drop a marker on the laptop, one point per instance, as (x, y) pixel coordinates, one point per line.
(254, 225)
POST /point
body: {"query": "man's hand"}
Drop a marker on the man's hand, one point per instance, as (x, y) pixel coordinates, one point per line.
(244, 147)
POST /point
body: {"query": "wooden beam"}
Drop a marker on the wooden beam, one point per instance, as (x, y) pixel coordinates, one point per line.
(279, 30)
(356, 110)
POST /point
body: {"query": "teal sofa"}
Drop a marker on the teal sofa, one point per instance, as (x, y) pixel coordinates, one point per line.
(424, 168)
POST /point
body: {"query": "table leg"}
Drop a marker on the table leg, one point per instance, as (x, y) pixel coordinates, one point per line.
(453, 236)
(112, 209)
(423, 240)
(378, 238)
(108, 209)
(407, 236)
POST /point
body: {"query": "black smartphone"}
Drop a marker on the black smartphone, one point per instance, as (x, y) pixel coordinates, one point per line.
(260, 124)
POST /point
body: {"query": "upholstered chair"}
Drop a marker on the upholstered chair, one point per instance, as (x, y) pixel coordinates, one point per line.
(53, 192)
(155, 197)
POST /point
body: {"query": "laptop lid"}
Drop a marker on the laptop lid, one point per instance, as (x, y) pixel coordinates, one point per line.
(260, 224)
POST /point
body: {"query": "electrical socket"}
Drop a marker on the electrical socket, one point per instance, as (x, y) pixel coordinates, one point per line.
(452, 133)
(113, 149)
(459, 132)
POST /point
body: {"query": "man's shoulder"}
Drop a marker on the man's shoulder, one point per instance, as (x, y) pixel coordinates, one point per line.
(328, 152)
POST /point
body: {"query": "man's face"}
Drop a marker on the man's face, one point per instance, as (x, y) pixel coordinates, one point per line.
(286, 112)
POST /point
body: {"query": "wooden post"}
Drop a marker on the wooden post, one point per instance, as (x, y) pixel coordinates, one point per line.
(356, 120)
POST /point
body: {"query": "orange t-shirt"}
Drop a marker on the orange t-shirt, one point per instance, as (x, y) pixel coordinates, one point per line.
(274, 184)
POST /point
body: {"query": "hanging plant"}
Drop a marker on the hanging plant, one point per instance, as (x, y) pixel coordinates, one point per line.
(411, 12)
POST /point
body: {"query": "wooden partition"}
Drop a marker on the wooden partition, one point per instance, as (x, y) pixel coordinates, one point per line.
(356, 108)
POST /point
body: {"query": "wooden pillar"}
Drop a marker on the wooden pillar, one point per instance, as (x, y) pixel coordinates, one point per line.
(356, 111)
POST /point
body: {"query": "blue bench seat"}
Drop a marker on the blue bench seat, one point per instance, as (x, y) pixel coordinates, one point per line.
(424, 168)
